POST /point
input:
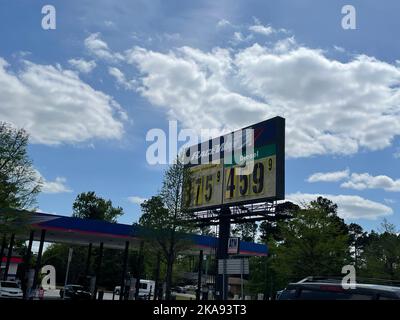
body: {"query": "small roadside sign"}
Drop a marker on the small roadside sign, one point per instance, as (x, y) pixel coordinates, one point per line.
(234, 245)
(233, 266)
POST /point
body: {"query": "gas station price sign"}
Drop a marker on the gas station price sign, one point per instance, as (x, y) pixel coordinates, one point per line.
(215, 181)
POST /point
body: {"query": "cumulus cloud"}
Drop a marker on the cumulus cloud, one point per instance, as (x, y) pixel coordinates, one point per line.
(223, 23)
(264, 30)
(55, 106)
(99, 48)
(53, 187)
(362, 181)
(349, 207)
(121, 79)
(82, 65)
(56, 186)
(136, 200)
(357, 181)
(331, 107)
(329, 176)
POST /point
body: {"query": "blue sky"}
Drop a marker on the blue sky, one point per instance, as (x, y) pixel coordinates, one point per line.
(90, 90)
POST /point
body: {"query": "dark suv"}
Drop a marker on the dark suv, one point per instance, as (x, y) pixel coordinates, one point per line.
(75, 292)
(331, 289)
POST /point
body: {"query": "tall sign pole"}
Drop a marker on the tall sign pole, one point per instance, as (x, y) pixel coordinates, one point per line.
(239, 169)
(222, 250)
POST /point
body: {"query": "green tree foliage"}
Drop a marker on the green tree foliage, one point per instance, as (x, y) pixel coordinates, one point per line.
(19, 181)
(358, 239)
(315, 242)
(88, 205)
(381, 256)
(246, 231)
(167, 219)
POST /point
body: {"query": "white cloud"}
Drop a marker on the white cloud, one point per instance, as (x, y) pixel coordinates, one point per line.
(136, 200)
(191, 85)
(264, 30)
(53, 187)
(331, 107)
(121, 79)
(82, 65)
(349, 207)
(56, 186)
(329, 176)
(339, 49)
(362, 181)
(239, 37)
(55, 106)
(223, 23)
(100, 49)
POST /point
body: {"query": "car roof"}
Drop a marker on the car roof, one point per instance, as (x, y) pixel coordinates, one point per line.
(359, 287)
(74, 285)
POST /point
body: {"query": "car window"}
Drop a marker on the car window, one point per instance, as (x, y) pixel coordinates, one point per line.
(143, 286)
(288, 295)
(9, 284)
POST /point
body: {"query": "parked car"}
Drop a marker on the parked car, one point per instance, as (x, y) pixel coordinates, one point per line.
(10, 290)
(190, 288)
(75, 292)
(146, 289)
(179, 289)
(332, 289)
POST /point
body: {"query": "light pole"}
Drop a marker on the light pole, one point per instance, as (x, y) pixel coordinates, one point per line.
(70, 251)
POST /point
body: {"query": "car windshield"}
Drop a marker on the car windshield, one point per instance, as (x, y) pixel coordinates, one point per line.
(9, 284)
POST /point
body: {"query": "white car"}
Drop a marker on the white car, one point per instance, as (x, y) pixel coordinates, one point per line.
(10, 290)
(146, 289)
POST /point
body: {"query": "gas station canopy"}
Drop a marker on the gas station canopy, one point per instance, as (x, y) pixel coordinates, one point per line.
(77, 231)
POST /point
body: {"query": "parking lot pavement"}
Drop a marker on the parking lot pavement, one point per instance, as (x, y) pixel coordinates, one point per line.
(185, 296)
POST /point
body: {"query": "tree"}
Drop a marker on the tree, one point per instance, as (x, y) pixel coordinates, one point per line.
(167, 219)
(315, 243)
(358, 241)
(382, 254)
(247, 231)
(88, 205)
(19, 182)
